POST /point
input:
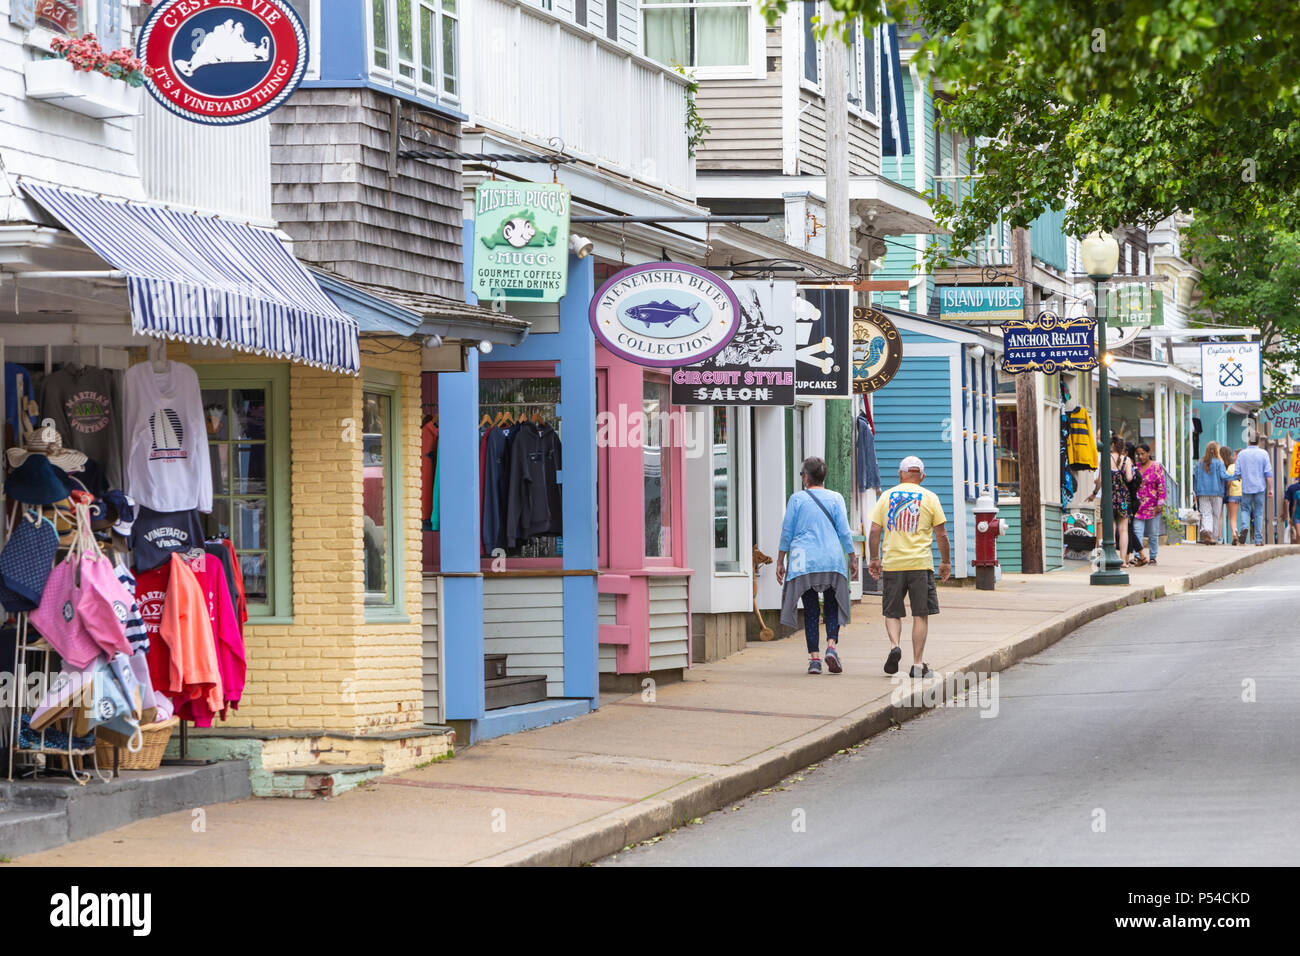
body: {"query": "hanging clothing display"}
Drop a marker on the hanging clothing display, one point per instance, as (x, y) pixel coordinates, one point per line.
(155, 535)
(496, 486)
(1081, 443)
(85, 405)
(183, 659)
(429, 475)
(228, 643)
(18, 391)
(166, 441)
(866, 469)
(533, 504)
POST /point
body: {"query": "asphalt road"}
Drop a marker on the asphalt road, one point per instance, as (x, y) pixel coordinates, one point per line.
(1128, 742)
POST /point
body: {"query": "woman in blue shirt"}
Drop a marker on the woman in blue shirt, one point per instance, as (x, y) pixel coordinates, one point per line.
(1209, 481)
(815, 534)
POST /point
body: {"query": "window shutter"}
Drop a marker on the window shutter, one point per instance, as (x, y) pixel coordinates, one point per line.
(22, 13)
(108, 24)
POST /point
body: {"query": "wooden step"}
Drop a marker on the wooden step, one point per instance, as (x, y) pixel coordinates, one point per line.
(494, 666)
(511, 691)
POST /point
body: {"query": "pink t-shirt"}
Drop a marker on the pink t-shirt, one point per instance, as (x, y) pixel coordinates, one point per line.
(229, 642)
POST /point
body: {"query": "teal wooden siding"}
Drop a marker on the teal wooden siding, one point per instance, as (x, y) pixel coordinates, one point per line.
(1009, 543)
(912, 416)
(1047, 238)
(1053, 537)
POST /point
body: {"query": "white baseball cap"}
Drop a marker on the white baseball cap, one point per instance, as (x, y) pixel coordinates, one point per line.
(911, 463)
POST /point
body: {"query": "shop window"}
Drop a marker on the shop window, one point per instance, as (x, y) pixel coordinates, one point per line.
(415, 44)
(656, 452)
(77, 18)
(380, 464)
(699, 33)
(726, 524)
(247, 421)
(1008, 468)
(522, 511)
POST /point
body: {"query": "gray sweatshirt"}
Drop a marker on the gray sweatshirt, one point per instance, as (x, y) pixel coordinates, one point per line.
(86, 405)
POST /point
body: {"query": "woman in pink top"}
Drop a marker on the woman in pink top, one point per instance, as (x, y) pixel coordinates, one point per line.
(1151, 503)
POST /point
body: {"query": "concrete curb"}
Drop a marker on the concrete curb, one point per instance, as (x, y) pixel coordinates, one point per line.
(693, 798)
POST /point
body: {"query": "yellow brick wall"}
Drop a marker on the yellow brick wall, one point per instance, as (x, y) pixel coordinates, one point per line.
(330, 669)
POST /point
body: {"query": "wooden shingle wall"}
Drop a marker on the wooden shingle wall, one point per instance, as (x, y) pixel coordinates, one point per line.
(332, 193)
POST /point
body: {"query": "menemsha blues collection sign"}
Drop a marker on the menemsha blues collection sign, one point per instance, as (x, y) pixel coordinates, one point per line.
(1048, 344)
(221, 62)
(664, 314)
(981, 303)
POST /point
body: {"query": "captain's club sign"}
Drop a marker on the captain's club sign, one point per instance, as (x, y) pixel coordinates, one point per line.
(221, 62)
(664, 314)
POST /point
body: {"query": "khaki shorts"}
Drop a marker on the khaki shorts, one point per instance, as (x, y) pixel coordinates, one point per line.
(919, 588)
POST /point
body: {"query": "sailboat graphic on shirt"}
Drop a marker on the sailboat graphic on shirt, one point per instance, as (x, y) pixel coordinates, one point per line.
(167, 435)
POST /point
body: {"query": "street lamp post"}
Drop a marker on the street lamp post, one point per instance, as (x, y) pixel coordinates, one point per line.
(1100, 254)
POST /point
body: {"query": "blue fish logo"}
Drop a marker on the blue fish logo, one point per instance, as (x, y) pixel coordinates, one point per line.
(661, 313)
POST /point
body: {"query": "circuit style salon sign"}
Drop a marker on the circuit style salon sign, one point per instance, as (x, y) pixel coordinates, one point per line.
(664, 314)
(221, 62)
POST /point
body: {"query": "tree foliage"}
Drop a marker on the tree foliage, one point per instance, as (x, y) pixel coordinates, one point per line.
(1123, 111)
(1250, 277)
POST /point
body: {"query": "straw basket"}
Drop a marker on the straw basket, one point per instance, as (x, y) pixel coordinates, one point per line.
(148, 757)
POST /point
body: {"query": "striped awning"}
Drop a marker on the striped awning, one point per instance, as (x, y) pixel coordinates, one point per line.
(200, 278)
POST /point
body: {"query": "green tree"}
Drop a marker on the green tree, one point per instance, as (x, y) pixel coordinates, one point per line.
(1250, 277)
(1121, 111)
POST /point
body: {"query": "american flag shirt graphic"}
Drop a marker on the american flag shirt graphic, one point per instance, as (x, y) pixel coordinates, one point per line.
(904, 512)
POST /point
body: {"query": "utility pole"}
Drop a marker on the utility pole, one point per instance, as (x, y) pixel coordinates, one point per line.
(1027, 413)
(839, 412)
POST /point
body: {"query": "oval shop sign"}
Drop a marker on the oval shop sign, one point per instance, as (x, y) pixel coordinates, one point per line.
(226, 62)
(664, 314)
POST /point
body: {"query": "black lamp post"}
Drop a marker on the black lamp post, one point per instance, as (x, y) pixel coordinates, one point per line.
(1100, 254)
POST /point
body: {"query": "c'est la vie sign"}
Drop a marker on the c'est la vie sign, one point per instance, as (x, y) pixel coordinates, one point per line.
(223, 63)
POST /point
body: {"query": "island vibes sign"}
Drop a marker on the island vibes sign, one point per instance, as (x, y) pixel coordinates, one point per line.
(664, 314)
(980, 303)
(222, 62)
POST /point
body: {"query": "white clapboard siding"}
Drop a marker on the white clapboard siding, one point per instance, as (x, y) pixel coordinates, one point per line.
(431, 672)
(523, 618)
(609, 104)
(607, 613)
(56, 145)
(864, 140)
(744, 116)
(669, 623)
(220, 169)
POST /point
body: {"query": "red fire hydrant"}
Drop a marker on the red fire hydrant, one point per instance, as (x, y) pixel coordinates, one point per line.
(987, 528)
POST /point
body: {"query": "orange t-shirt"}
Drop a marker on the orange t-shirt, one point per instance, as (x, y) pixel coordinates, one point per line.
(186, 628)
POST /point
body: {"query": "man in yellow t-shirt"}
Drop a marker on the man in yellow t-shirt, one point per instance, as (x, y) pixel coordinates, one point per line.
(907, 516)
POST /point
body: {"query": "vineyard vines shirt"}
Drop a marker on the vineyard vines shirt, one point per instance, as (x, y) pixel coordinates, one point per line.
(165, 439)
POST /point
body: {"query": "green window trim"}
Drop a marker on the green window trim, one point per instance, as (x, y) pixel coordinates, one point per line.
(390, 606)
(278, 608)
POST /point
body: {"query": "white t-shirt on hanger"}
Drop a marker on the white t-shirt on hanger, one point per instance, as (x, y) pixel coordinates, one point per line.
(165, 439)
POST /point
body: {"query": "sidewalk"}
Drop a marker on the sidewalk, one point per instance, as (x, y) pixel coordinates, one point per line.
(579, 790)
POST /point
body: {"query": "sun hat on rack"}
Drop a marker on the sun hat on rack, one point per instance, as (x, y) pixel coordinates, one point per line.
(26, 561)
(46, 441)
(38, 481)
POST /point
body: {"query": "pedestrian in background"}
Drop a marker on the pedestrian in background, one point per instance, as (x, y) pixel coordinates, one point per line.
(1121, 473)
(1151, 503)
(1293, 510)
(1231, 493)
(1256, 473)
(1209, 482)
(815, 534)
(1134, 545)
(904, 520)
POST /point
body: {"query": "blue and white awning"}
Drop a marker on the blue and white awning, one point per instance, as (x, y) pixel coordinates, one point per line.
(204, 279)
